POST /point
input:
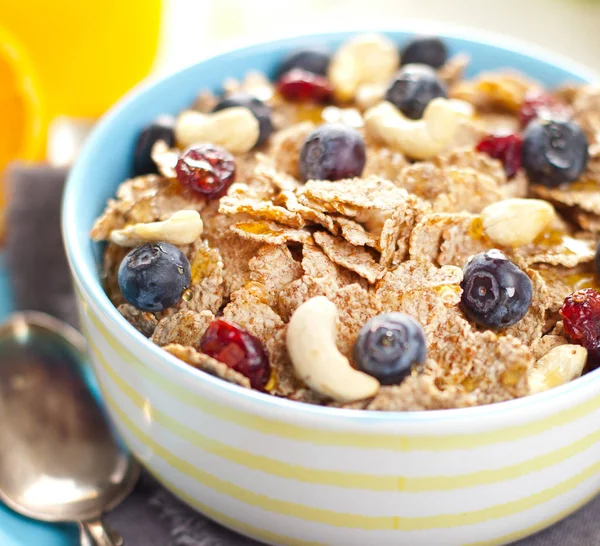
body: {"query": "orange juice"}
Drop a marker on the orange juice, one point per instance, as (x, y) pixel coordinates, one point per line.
(85, 54)
(67, 57)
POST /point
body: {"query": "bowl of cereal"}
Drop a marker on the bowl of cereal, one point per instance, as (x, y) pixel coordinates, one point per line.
(339, 289)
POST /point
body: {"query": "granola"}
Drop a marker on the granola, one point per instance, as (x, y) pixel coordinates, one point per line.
(329, 265)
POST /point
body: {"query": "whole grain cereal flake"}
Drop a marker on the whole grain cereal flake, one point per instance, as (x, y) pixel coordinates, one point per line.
(249, 309)
(207, 364)
(531, 327)
(451, 189)
(183, 328)
(143, 321)
(318, 265)
(270, 233)
(420, 392)
(396, 230)
(357, 259)
(355, 233)
(449, 236)
(260, 209)
(588, 222)
(587, 199)
(129, 193)
(468, 158)
(351, 196)
(559, 250)
(289, 200)
(273, 268)
(285, 382)
(235, 254)
(490, 367)
(206, 291)
(461, 241)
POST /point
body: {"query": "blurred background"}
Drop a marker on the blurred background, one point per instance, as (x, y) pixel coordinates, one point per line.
(75, 58)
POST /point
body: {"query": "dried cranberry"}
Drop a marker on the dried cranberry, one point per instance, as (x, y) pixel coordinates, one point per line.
(506, 148)
(207, 169)
(581, 318)
(542, 105)
(303, 86)
(241, 351)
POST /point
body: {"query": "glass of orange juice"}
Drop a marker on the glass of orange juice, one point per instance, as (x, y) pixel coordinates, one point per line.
(68, 58)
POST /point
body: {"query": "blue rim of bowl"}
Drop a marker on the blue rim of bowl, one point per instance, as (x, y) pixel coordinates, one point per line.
(92, 287)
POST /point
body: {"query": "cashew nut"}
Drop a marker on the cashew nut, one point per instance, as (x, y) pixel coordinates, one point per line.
(316, 358)
(165, 158)
(422, 138)
(516, 222)
(182, 228)
(560, 365)
(369, 58)
(235, 129)
(370, 94)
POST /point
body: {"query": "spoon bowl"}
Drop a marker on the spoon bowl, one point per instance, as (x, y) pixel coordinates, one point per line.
(59, 458)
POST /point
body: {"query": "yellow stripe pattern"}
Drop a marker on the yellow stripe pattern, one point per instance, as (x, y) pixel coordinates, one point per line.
(340, 479)
(355, 440)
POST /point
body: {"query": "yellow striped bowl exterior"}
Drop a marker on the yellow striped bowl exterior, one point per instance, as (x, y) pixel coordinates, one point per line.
(297, 475)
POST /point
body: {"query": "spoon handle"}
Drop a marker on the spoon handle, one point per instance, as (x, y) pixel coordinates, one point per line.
(97, 533)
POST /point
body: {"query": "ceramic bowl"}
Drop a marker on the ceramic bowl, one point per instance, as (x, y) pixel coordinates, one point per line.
(289, 473)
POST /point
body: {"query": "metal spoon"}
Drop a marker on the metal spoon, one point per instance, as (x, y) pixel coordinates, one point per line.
(59, 459)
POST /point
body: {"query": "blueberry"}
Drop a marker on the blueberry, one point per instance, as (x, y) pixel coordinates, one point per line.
(314, 59)
(496, 293)
(428, 50)
(389, 346)
(153, 277)
(261, 112)
(597, 260)
(160, 129)
(554, 152)
(331, 152)
(414, 86)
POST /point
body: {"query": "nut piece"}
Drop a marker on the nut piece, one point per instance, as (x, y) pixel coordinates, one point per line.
(369, 58)
(316, 358)
(165, 158)
(516, 222)
(561, 365)
(182, 228)
(235, 129)
(422, 138)
(370, 94)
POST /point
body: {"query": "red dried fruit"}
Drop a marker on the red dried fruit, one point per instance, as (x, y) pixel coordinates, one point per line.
(303, 86)
(206, 169)
(542, 105)
(581, 319)
(239, 350)
(506, 148)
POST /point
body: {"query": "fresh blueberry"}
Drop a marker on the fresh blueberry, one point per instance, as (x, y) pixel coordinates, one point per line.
(428, 50)
(153, 277)
(261, 112)
(496, 293)
(554, 152)
(597, 260)
(161, 129)
(389, 346)
(331, 152)
(414, 86)
(314, 59)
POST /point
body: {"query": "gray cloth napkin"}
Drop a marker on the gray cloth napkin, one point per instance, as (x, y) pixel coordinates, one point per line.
(150, 516)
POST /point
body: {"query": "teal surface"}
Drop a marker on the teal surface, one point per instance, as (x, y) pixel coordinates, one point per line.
(16, 530)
